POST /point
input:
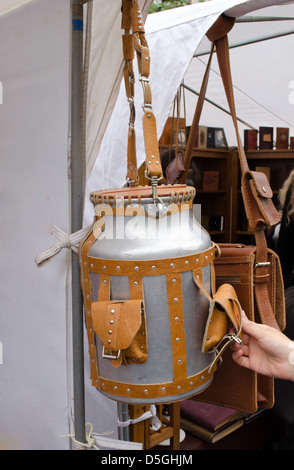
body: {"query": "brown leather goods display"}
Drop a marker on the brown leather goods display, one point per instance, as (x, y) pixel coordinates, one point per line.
(156, 326)
(254, 271)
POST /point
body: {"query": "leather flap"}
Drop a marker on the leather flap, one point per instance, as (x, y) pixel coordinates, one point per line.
(261, 184)
(224, 312)
(117, 322)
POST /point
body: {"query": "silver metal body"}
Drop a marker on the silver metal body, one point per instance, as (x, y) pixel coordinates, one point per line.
(152, 238)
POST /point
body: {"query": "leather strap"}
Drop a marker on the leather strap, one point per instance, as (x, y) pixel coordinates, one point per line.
(256, 191)
(260, 210)
(134, 41)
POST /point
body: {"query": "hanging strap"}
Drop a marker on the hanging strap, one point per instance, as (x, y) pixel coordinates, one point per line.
(256, 192)
(134, 41)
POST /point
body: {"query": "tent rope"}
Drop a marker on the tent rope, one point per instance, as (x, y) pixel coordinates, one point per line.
(155, 422)
(71, 241)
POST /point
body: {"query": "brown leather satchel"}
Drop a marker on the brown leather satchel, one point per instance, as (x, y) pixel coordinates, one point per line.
(254, 271)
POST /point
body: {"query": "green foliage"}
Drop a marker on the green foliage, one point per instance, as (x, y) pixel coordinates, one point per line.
(160, 5)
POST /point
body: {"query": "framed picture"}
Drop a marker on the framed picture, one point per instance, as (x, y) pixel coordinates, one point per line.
(179, 137)
(216, 138)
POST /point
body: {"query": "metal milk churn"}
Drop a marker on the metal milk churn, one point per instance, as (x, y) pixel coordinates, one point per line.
(147, 273)
(144, 310)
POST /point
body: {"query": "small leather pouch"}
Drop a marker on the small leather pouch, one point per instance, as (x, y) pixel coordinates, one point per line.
(121, 327)
(257, 196)
(175, 169)
(224, 313)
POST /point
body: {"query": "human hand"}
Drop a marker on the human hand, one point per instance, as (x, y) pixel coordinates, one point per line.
(264, 350)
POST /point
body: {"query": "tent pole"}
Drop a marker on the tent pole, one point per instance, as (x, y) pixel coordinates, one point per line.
(77, 193)
(217, 105)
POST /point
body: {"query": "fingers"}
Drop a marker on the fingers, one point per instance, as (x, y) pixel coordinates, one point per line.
(240, 359)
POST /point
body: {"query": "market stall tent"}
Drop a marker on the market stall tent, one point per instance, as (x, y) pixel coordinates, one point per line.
(36, 365)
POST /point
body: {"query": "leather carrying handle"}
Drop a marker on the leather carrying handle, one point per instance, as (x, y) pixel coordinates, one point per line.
(134, 43)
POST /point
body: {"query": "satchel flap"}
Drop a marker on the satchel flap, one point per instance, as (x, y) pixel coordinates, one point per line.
(261, 184)
(117, 322)
(224, 312)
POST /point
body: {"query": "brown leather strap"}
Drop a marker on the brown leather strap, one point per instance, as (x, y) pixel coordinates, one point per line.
(260, 210)
(134, 40)
(195, 123)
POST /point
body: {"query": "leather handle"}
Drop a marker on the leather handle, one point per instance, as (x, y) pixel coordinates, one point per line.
(134, 41)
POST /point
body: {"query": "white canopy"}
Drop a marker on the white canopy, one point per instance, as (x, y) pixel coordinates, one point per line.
(261, 80)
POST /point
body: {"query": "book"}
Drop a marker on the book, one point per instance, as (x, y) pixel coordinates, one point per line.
(210, 416)
(210, 180)
(282, 137)
(266, 138)
(202, 137)
(205, 434)
(250, 139)
(216, 138)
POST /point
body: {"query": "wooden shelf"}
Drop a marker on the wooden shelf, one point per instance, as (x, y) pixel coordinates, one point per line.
(227, 200)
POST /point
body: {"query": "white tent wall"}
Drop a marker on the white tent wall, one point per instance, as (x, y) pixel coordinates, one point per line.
(34, 64)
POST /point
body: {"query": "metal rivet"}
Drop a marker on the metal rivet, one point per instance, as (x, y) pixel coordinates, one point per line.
(153, 267)
(175, 299)
(118, 268)
(202, 377)
(88, 296)
(104, 267)
(177, 340)
(149, 163)
(140, 27)
(111, 322)
(139, 22)
(137, 268)
(142, 334)
(186, 262)
(105, 282)
(172, 265)
(179, 361)
(176, 318)
(108, 341)
(197, 277)
(115, 387)
(191, 383)
(128, 390)
(112, 311)
(263, 188)
(163, 389)
(103, 385)
(142, 347)
(135, 283)
(92, 265)
(197, 260)
(110, 332)
(174, 280)
(146, 391)
(206, 257)
(179, 387)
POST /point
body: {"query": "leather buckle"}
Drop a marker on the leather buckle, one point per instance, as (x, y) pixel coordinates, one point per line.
(262, 265)
(110, 356)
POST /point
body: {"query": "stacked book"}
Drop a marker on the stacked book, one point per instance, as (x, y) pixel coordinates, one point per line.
(209, 422)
